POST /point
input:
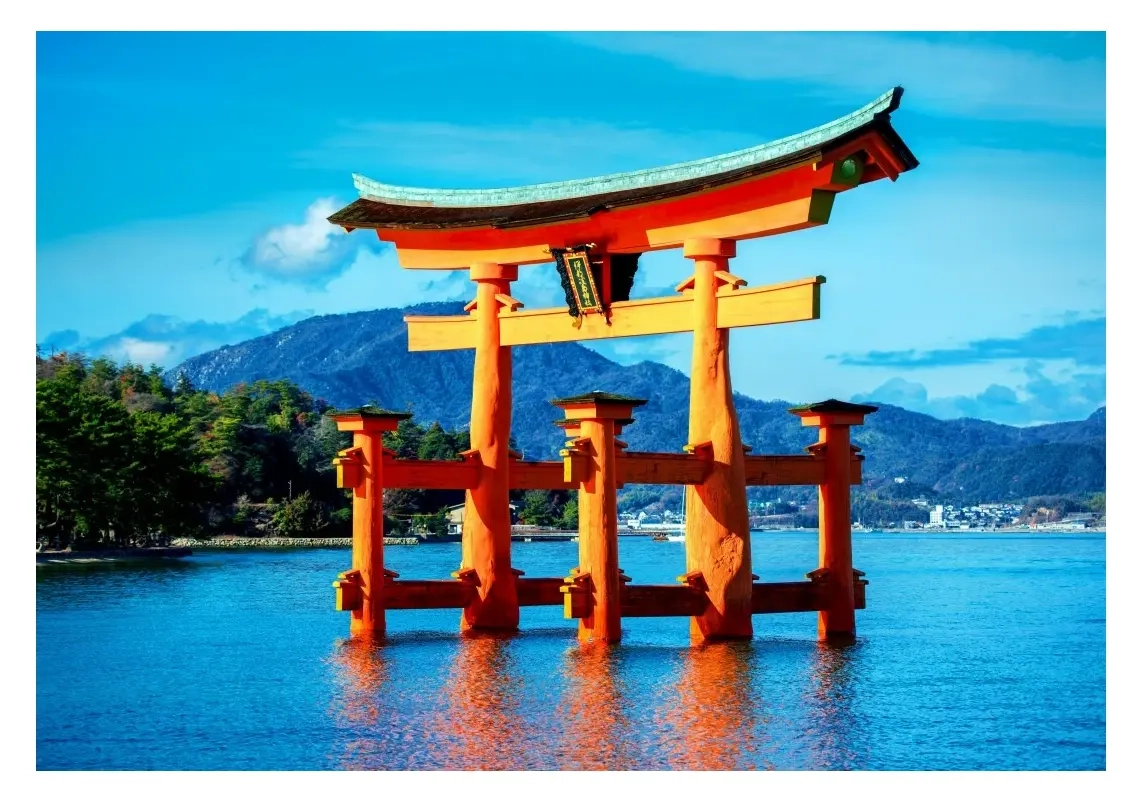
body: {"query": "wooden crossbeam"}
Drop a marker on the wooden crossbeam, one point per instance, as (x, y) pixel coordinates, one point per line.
(431, 474)
(663, 600)
(652, 468)
(786, 469)
(538, 476)
(416, 594)
(794, 301)
(632, 468)
(784, 598)
(540, 591)
(635, 600)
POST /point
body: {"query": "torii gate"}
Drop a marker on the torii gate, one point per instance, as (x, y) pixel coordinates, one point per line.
(595, 230)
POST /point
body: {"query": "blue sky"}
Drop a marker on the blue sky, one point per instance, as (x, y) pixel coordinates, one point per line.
(182, 181)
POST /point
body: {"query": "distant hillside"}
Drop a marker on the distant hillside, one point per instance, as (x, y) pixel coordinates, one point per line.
(351, 359)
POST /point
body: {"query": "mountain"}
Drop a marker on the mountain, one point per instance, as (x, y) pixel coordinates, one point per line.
(352, 359)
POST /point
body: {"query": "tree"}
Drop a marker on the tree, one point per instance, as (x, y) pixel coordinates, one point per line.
(538, 509)
(570, 515)
(300, 516)
(432, 524)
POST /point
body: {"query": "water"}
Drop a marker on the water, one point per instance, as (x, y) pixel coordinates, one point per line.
(978, 652)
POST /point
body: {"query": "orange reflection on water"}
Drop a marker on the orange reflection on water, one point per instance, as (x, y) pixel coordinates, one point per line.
(593, 722)
(360, 674)
(478, 727)
(713, 720)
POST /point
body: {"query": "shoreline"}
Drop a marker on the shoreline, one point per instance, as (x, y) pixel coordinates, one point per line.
(184, 547)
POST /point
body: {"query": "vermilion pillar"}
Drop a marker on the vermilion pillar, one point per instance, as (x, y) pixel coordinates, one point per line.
(592, 464)
(486, 527)
(837, 622)
(718, 524)
(362, 471)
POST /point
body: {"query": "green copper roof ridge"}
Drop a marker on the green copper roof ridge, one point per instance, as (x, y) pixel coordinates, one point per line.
(628, 180)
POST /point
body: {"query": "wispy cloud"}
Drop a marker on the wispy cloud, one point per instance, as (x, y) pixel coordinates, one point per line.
(1081, 341)
(1041, 399)
(543, 150)
(946, 77)
(310, 253)
(165, 340)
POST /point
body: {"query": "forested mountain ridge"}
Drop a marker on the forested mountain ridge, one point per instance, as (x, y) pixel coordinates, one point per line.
(351, 359)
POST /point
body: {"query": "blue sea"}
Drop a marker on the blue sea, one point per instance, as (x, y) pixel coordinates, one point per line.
(975, 652)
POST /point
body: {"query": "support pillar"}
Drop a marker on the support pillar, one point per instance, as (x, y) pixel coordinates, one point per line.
(486, 536)
(837, 622)
(361, 469)
(591, 462)
(718, 523)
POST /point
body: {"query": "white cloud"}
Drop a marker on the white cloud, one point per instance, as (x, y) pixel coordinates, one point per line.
(311, 252)
(167, 341)
(139, 351)
(1041, 399)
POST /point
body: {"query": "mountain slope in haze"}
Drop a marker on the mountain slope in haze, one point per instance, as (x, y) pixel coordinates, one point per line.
(352, 359)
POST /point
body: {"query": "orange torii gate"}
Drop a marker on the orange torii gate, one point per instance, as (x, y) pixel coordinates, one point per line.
(595, 230)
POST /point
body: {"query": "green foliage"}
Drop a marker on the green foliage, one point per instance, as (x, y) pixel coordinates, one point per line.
(121, 458)
(300, 517)
(538, 508)
(109, 472)
(433, 524)
(570, 516)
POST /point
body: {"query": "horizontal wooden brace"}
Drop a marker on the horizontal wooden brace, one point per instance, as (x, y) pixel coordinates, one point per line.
(652, 468)
(661, 600)
(529, 475)
(786, 469)
(784, 598)
(540, 591)
(431, 474)
(415, 594)
(794, 301)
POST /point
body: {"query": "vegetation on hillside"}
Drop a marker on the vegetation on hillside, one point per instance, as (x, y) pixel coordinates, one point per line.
(127, 455)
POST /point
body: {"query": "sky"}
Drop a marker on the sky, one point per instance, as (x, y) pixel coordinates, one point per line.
(183, 181)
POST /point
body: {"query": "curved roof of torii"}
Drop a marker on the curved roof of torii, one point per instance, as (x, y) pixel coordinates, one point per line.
(383, 206)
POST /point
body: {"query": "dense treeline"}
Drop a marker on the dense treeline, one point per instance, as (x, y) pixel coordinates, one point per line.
(123, 458)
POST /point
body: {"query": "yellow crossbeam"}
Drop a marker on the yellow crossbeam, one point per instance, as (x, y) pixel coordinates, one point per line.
(794, 301)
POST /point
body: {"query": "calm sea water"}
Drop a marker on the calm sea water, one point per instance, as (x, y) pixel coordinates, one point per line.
(979, 652)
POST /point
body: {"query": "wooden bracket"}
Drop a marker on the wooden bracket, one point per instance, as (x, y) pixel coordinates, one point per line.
(747, 449)
(575, 458)
(349, 591)
(578, 594)
(471, 455)
(704, 451)
(467, 575)
(509, 302)
(727, 279)
(470, 306)
(517, 572)
(819, 576)
(695, 580)
(686, 285)
(389, 575)
(816, 449)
